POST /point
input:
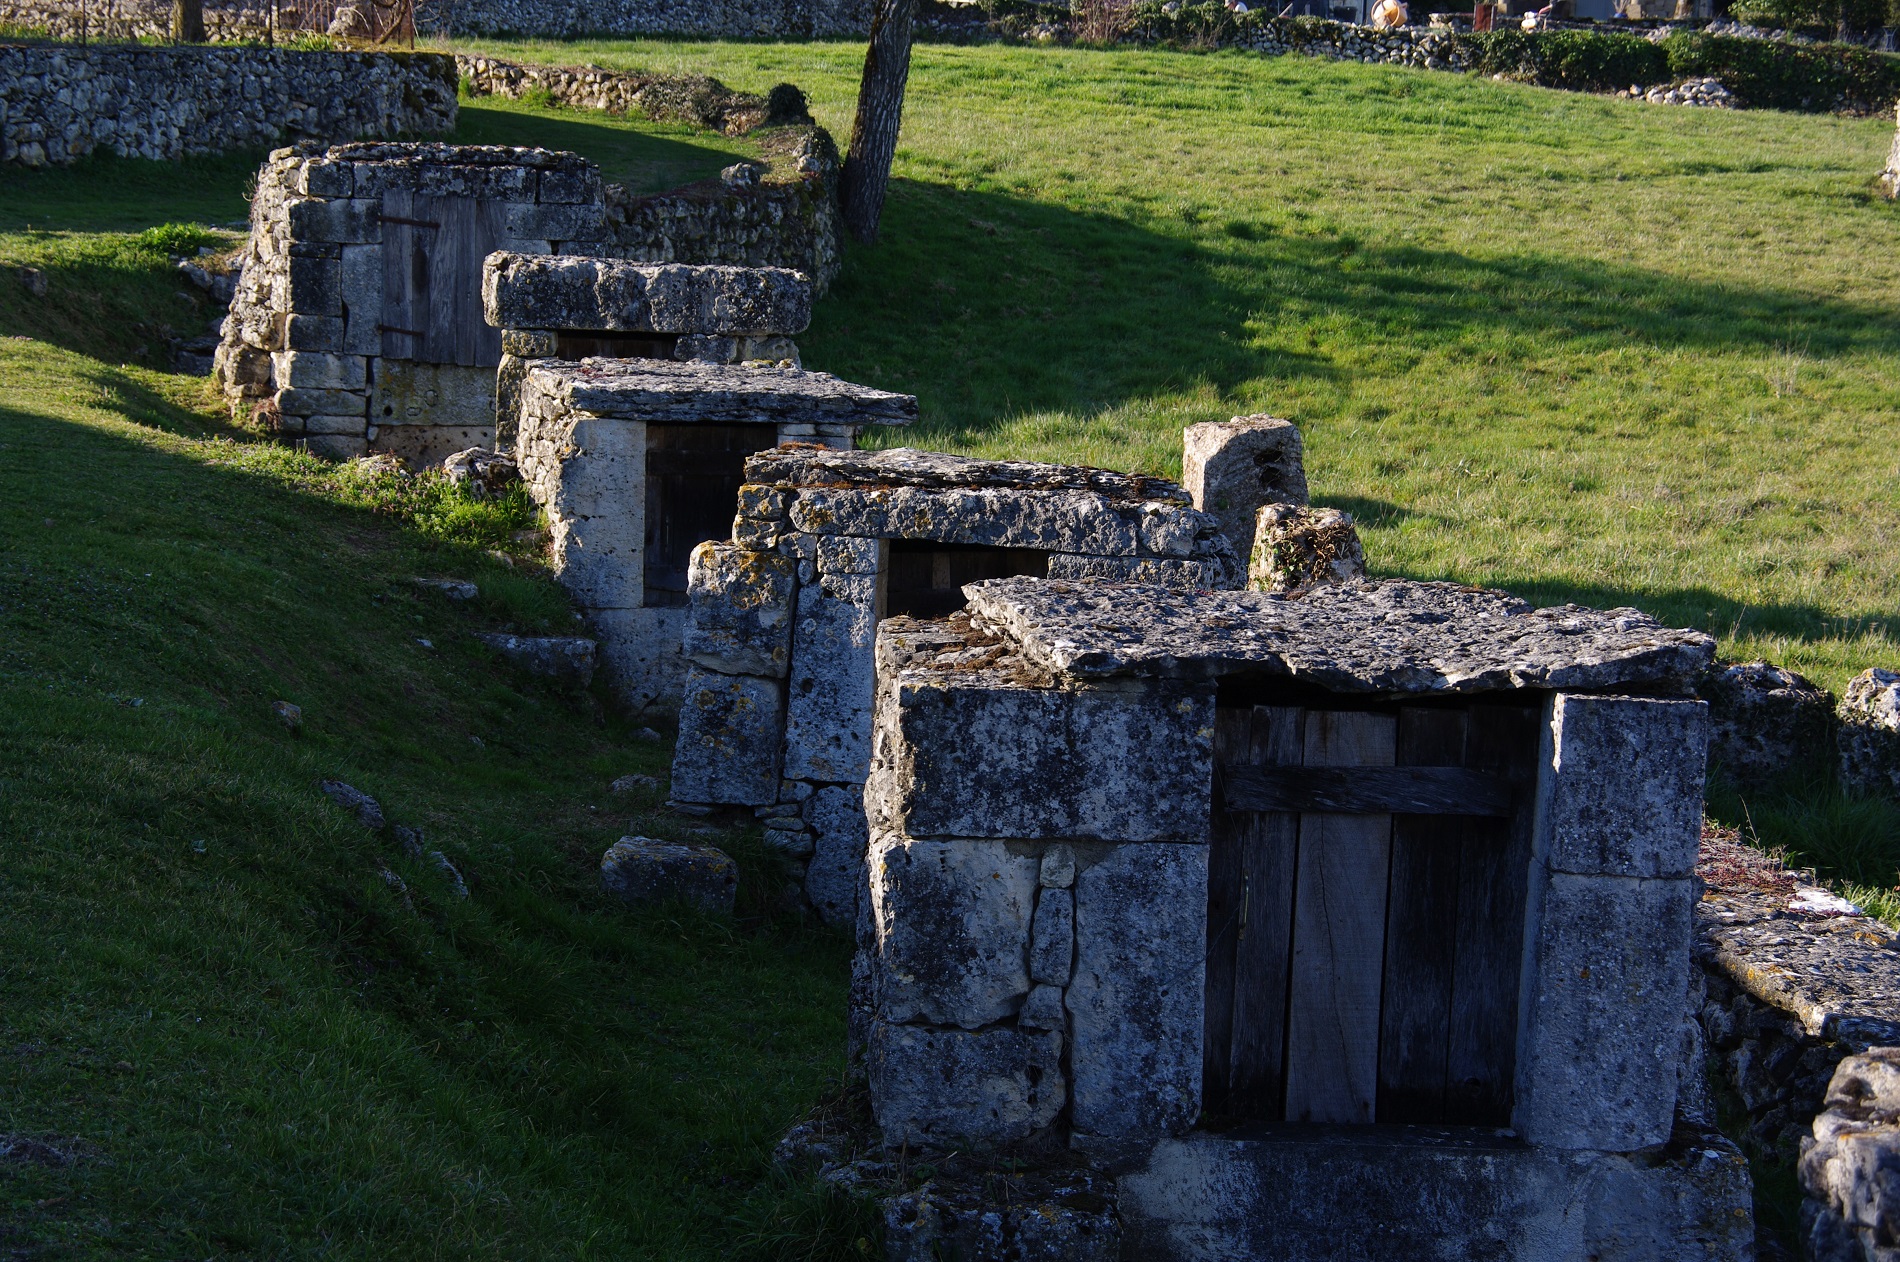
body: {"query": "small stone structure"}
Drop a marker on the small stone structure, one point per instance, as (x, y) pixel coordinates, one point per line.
(635, 461)
(1296, 547)
(1765, 721)
(1233, 469)
(1204, 882)
(59, 103)
(1869, 733)
(776, 710)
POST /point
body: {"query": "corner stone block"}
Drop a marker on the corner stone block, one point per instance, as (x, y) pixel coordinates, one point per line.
(345, 221)
(728, 740)
(589, 476)
(741, 602)
(1136, 1000)
(1231, 468)
(1622, 785)
(1602, 1031)
(640, 655)
(988, 760)
(834, 879)
(828, 711)
(947, 1088)
(952, 923)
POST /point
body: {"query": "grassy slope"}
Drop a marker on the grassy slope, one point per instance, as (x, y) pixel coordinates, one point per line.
(259, 1047)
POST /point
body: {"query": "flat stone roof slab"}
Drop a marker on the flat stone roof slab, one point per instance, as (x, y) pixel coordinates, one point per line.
(1374, 636)
(562, 291)
(665, 391)
(934, 470)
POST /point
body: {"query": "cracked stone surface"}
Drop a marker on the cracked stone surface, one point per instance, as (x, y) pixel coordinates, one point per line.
(1390, 636)
(1838, 975)
(905, 466)
(542, 291)
(669, 392)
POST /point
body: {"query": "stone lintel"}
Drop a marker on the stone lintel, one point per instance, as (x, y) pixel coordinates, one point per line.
(1391, 636)
(674, 393)
(935, 470)
(528, 291)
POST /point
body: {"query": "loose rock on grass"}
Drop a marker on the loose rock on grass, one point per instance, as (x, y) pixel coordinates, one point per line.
(643, 870)
(368, 812)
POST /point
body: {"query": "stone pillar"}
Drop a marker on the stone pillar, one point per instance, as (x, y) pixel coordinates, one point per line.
(737, 640)
(1618, 824)
(1232, 468)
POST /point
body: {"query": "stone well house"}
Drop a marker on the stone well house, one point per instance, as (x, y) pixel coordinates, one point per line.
(1341, 926)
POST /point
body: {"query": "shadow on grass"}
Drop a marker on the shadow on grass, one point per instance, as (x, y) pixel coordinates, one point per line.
(990, 306)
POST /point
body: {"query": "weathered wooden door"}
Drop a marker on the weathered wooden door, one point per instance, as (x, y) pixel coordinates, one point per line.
(433, 249)
(694, 473)
(1365, 912)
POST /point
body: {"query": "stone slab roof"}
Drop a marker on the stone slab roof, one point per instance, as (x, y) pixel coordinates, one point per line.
(934, 470)
(1839, 976)
(671, 392)
(1390, 636)
(559, 291)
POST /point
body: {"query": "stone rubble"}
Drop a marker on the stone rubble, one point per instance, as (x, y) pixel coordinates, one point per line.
(643, 871)
(368, 812)
(486, 473)
(567, 660)
(1052, 1216)
(1296, 547)
(1707, 93)
(1765, 721)
(1869, 733)
(1850, 1165)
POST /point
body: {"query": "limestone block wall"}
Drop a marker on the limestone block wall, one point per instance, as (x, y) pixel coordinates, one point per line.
(587, 443)
(554, 19)
(59, 103)
(357, 324)
(810, 571)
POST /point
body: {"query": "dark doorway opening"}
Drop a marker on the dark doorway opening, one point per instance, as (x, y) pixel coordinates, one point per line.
(1366, 887)
(694, 473)
(570, 345)
(925, 579)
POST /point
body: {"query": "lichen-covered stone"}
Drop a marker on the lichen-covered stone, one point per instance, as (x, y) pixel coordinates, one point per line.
(1869, 733)
(642, 870)
(828, 709)
(1295, 547)
(1597, 1060)
(1137, 998)
(1054, 1216)
(741, 610)
(1850, 1167)
(1392, 636)
(835, 880)
(935, 470)
(1623, 785)
(952, 924)
(728, 750)
(658, 390)
(524, 291)
(950, 1088)
(968, 750)
(564, 659)
(1231, 468)
(1765, 721)
(1216, 573)
(588, 474)
(1052, 938)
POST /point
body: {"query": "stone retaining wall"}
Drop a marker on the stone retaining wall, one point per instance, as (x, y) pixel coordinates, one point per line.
(59, 103)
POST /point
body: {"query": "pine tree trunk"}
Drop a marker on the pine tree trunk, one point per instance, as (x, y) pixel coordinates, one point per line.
(867, 167)
(188, 21)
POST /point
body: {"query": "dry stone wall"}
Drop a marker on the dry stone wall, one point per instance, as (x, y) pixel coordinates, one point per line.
(554, 19)
(59, 103)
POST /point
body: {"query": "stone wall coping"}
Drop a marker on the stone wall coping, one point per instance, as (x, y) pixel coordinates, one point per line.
(668, 392)
(1389, 636)
(582, 292)
(1838, 975)
(441, 154)
(905, 466)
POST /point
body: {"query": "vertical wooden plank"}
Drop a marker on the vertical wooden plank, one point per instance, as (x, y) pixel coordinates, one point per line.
(445, 244)
(399, 298)
(1332, 1065)
(1227, 829)
(1420, 931)
(1263, 949)
(1494, 866)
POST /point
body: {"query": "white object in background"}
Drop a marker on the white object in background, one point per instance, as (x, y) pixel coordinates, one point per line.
(1390, 14)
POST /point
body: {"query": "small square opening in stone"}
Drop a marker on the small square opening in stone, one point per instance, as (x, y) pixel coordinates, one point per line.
(694, 473)
(924, 579)
(571, 344)
(1366, 893)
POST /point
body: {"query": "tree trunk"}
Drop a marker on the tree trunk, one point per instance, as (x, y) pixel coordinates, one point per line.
(867, 167)
(188, 21)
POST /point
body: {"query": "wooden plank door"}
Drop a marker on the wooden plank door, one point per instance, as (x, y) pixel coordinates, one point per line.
(433, 249)
(1339, 905)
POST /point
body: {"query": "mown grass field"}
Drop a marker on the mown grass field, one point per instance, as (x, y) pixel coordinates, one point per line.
(1581, 348)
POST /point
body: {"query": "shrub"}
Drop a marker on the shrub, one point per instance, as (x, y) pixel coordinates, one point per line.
(1583, 61)
(1768, 74)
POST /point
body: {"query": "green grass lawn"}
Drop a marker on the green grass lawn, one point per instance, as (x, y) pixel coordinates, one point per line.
(1577, 347)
